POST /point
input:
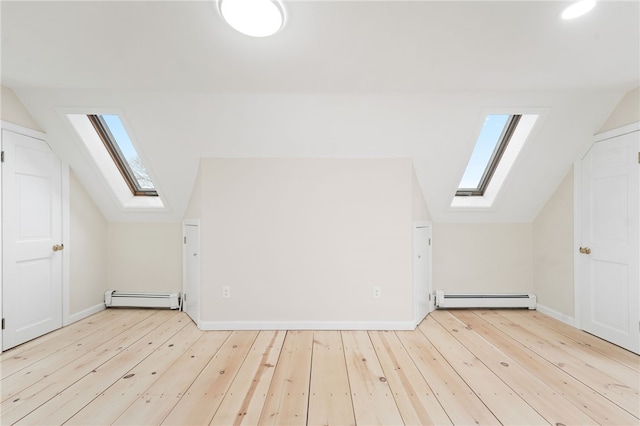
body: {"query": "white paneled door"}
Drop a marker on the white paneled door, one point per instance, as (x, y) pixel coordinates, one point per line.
(191, 285)
(609, 241)
(31, 238)
(422, 271)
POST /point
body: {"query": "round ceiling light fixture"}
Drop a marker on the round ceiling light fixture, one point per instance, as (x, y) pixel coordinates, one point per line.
(578, 9)
(255, 18)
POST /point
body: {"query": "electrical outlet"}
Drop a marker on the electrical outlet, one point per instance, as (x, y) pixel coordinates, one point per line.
(377, 292)
(226, 292)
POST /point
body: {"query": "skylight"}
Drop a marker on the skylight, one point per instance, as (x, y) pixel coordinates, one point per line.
(492, 141)
(112, 149)
(499, 143)
(117, 141)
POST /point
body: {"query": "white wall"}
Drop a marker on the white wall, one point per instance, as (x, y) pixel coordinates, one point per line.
(420, 211)
(194, 208)
(483, 258)
(553, 227)
(306, 240)
(87, 250)
(553, 250)
(529, 257)
(318, 234)
(145, 256)
(626, 112)
(102, 255)
(87, 244)
(13, 111)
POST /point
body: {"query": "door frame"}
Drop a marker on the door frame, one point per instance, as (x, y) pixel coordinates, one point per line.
(185, 223)
(64, 192)
(429, 226)
(578, 278)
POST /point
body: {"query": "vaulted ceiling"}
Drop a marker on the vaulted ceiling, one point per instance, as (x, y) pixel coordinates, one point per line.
(342, 79)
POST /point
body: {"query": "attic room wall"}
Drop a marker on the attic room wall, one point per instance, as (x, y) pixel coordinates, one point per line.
(13, 111)
(306, 240)
(626, 112)
(87, 228)
(87, 250)
(145, 256)
(483, 258)
(420, 210)
(141, 257)
(194, 208)
(553, 250)
(553, 227)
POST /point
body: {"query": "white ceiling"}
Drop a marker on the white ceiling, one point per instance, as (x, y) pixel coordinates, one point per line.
(343, 79)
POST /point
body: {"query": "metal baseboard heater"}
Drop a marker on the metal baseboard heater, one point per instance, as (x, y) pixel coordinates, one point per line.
(445, 301)
(124, 299)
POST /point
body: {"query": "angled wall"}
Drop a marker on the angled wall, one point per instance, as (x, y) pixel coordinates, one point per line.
(420, 211)
(87, 250)
(553, 250)
(87, 245)
(13, 111)
(627, 111)
(553, 228)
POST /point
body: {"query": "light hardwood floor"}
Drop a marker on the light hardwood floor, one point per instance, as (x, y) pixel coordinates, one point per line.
(139, 367)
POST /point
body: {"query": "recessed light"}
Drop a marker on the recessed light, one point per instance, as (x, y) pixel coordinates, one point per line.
(255, 18)
(578, 9)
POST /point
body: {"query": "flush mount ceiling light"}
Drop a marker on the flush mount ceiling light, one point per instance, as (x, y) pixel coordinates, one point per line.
(578, 9)
(255, 18)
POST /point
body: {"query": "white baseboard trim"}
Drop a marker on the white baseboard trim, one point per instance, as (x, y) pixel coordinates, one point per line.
(557, 315)
(86, 312)
(306, 325)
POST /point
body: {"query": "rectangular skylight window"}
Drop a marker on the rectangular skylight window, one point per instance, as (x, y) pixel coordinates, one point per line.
(491, 144)
(124, 155)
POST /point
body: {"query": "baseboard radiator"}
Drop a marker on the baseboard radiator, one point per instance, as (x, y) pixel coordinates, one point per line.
(123, 299)
(446, 301)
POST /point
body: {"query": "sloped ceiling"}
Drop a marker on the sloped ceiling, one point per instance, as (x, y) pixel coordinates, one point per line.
(343, 79)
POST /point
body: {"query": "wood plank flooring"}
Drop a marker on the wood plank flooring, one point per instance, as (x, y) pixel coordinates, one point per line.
(152, 367)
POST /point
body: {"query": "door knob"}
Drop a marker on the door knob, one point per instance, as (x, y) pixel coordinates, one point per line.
(585, 250)
(58, 247)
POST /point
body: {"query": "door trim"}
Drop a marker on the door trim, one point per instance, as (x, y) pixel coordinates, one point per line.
(577, 214)
(66, 236)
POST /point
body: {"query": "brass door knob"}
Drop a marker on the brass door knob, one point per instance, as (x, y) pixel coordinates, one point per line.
(58, 247)
(585, 250)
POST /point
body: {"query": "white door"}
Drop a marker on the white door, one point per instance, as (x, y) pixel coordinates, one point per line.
(609, 241)
(191, 285)
(422, 271)
(31, 238)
